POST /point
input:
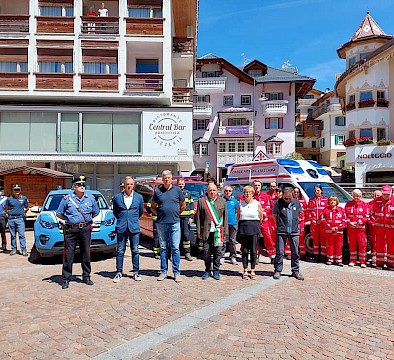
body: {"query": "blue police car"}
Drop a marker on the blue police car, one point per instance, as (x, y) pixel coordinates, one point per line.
(48, 230)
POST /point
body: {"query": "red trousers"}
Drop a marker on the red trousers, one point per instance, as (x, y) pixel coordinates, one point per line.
(357, 239)
(334, 247)
(319, 240)
(269, 239)
(384, 246)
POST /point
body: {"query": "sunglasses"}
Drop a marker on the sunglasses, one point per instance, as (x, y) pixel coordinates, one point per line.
(80, 185)
(286, 199)
(227, 191)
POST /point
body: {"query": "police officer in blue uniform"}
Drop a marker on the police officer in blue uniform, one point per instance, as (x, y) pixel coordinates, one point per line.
(77, 209)
(16, 207)
(3, 220)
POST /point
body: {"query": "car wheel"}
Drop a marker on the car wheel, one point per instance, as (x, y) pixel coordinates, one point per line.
(34, 256)
(309, 243)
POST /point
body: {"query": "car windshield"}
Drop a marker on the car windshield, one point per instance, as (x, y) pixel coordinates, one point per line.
(196, 190)
(54, 200)
(329, 189)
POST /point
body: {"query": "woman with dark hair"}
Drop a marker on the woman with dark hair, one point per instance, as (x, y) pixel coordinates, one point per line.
(315, 208)
(333, 221)
(249, 215)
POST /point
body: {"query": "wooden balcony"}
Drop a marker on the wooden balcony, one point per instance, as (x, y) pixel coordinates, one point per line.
(99, 82)
(99, 25)
(59, 81)
(55, 24)
(15, 80)
(308, 150)
(144, 26)
(144, 82)
(183, 45)
(14, 23)
(181, 95)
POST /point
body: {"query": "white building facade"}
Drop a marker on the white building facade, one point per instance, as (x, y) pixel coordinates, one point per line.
(366, 93)
(104, 96)
(239, 112)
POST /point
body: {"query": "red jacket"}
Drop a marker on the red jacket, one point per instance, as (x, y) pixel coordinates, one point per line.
(357, 212)
(315, 208)
(333, 217)
(266, 203)
(382, 212)
(273, 195)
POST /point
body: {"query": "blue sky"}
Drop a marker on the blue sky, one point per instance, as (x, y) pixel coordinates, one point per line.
(306, 33)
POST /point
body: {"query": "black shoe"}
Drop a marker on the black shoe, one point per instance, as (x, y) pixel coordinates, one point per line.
(276, 275)
(65, 284)
(87, 281)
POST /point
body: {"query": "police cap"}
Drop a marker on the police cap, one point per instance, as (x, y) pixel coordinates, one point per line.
(79, 179)
(16, 187)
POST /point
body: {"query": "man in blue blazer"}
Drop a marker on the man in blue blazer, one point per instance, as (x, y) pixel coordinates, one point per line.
(128, 206)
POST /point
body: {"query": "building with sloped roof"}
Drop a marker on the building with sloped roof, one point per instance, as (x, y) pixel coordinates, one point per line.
(366, 94)
(240, 111)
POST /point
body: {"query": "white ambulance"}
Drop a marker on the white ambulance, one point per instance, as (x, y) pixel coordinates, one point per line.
(304, 174)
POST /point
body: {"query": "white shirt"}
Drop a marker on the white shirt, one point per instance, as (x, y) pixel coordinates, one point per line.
(128, 199)
(103, 12)
(249, 211)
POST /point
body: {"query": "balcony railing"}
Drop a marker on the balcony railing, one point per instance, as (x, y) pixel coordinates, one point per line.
(99, 82)
(55, 24)
(203, 108)
(183, 45)
(144, 82)
(99, 25)
(144, 26)
(181, 95)
(305, 102)
(308, 150)
(236, 130)
(211, 85)
(59, 81)
(14, 80)
(275, 108)
(224, 158)
(14, 23)
(323, 109)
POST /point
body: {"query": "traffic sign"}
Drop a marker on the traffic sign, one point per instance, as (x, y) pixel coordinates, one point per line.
(261, 156)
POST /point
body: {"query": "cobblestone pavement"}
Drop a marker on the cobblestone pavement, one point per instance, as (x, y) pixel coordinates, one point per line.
(336, 313)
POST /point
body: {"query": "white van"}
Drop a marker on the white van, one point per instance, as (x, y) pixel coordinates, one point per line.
(304, 174)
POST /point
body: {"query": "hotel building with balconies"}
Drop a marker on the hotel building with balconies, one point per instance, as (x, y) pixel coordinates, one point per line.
(239, 111)
(104, 96)
(366, 93)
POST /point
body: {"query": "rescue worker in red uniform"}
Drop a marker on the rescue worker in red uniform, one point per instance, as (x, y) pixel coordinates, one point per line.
(371, 230)
(297, 195)
(357, 212)
(315, 208)
(382, 216)
(265, 225)
(333, 221)
(274, 193)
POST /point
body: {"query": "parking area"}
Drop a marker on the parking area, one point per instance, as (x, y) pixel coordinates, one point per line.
(336, 313)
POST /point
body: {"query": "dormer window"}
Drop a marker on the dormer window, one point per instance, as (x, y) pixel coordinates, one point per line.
(352, 61)
(255, 73)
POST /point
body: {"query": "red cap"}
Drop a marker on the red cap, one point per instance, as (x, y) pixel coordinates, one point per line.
(386, 189)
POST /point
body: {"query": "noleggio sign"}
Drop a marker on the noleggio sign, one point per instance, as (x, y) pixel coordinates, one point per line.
(375, 156)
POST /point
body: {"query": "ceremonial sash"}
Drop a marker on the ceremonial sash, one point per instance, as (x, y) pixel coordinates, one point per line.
(218, 234)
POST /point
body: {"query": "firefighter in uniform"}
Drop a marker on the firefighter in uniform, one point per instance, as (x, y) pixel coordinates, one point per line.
(3, 220)
(77, 209)
(357, 212)
(156, 244)
(315, 208)
(187, 218)
(382, 217)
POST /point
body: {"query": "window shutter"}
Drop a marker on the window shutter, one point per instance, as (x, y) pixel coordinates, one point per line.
(280, 96)
(206, 124)
(267, 123)
(336, 139)
(195, 99)
(194, 124)
(207, 98)
(280, 123)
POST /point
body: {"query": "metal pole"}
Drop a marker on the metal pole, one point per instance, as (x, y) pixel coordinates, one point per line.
(253, 117)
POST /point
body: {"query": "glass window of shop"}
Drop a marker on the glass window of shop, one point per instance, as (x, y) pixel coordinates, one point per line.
(28, 131)
(69, 133)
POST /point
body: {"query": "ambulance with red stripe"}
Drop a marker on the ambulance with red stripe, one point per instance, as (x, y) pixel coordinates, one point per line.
(304, 174)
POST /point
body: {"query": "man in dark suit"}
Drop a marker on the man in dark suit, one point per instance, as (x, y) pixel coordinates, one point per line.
(128, 206)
